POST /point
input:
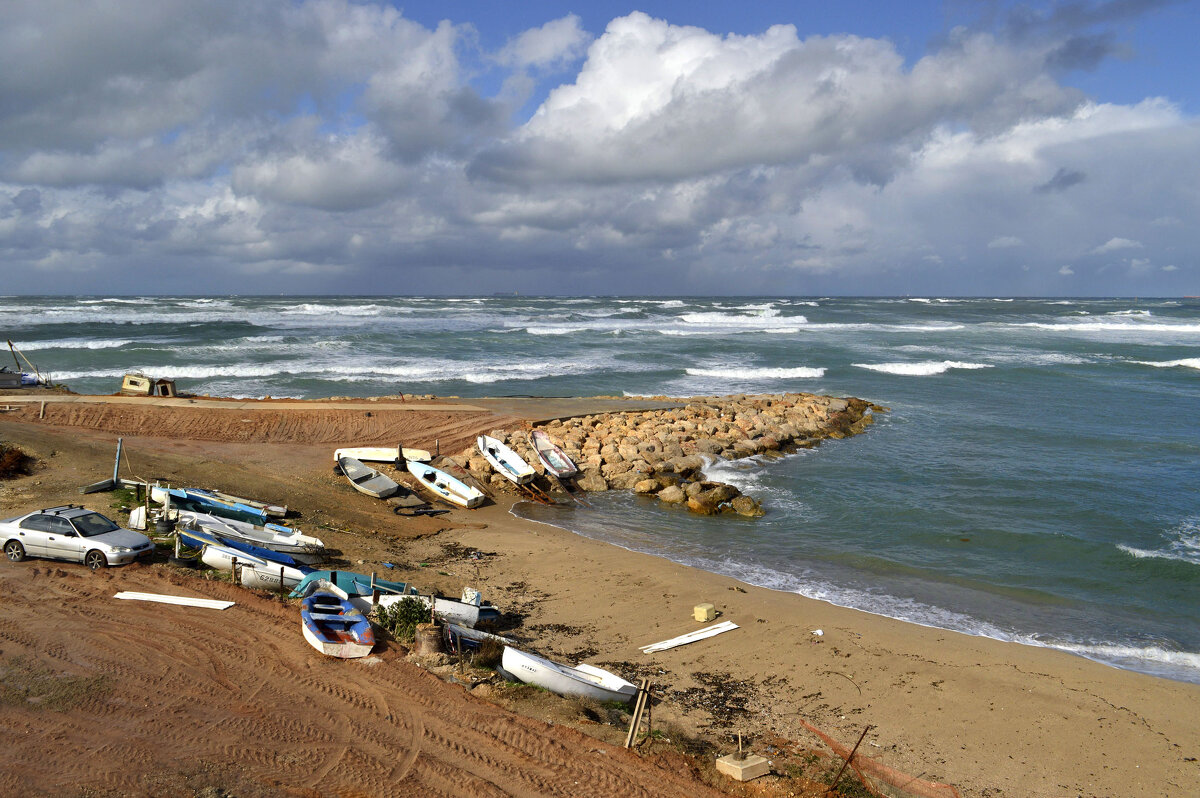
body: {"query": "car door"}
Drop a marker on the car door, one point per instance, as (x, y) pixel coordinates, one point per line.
(63, 542)
(32, 533)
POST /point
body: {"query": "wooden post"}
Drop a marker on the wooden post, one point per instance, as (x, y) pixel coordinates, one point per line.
(281, 579)
(42, 412)
(374, 590)
(233, 569)
(639, 706)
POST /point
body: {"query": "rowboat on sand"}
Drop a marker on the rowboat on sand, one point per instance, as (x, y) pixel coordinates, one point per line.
(505, 460)
(333, 626)
(452, 489)
(367, 480)
(583, 681)
(383, 454)
(553, 458)
(203, 501)
(275, 537)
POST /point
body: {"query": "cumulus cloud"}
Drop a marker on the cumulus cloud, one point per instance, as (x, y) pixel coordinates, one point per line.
(351, 148)
(1114, 244)
(557, 42)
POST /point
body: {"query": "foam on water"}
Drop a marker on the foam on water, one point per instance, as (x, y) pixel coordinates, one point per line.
(925, 369)
(1183, 544)
(1187, 362)
(76, 343)
(736, 373)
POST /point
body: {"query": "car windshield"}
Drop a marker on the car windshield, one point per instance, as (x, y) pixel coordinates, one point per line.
(93, 524)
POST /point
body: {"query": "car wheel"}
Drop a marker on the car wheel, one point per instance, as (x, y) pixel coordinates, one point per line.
(95, 560)
(14, 551)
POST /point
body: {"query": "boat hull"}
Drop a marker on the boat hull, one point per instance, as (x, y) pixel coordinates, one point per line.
(383, 454)
(367, 480)
(333, 626)
(450, 488)
(551, 455)
(506, 462)
(580, 682)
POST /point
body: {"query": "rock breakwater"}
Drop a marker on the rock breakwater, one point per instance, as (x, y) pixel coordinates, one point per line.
(664, 452)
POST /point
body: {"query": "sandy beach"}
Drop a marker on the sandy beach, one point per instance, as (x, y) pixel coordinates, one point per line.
(178, 700)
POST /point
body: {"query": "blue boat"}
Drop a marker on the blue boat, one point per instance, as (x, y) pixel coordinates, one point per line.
(334, 626)
(202, 501)
(353, 584)
(199, 538)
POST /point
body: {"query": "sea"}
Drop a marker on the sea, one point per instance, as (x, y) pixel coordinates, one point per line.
(1035, 479)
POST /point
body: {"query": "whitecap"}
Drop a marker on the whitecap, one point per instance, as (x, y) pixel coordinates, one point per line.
(924, 369)
(1187, 362)
(734, 373)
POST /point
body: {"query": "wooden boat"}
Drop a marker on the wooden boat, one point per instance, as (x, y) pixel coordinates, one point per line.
(505, 460)
(367, 480)
(333, 626)
(253, 572)
(583, 681)
(383, 454)
(443, 485)
(275, 537)
(553, 458)
(359, 589)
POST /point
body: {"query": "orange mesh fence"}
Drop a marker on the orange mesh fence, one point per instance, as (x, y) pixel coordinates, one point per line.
(876, 775)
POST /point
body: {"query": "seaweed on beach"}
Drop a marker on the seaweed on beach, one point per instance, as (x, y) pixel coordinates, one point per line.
(724, 698)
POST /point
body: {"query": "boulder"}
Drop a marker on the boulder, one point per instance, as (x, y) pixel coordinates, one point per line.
(592, 482)
(645, 486)
(699, 506)
(673, 495)
(746, 506)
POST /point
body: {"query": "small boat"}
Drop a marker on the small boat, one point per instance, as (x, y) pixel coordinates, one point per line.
(273, 510)
(450, 610)
(383, 454)
(505, 460)
(583, 681)
(553, 458)
(367, 480)
(463, 638)
(355, 585)
(333, 626)
(275, 537)
(254, 573)
(445, 486)
(202, 501)
(194, 535)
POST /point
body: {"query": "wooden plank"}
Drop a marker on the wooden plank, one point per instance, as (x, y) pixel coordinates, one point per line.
(185, 601)
(690, 637)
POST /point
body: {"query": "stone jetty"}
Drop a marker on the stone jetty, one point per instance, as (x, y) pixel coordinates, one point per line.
(664, 452)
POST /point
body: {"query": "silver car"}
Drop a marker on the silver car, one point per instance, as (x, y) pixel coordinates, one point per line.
(74, 534)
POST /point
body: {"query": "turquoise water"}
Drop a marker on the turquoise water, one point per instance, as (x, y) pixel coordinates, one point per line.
(1035, 480)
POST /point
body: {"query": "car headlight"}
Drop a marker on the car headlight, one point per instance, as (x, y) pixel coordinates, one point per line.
(121, 549)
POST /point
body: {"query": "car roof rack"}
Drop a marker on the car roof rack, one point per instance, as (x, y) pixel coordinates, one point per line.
(62, 508)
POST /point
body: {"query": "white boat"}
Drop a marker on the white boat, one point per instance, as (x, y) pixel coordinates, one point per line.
(445, 486)
(270, 536)
(505, 460)
(447, 609)
(383, 454)
(553, 458)
(583, 681)
(367, 480)
(253, 572)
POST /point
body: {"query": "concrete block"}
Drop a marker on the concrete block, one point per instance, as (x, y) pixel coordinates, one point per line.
(704, 612)
(743, 768)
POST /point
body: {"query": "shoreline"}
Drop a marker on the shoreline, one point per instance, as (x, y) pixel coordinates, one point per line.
(972, 711)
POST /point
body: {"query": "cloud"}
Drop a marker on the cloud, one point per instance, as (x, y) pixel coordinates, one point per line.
(1114, 244)
(556, 43)
(1170, 268)
(1066, 271)
(347, 147)
(1063, 179)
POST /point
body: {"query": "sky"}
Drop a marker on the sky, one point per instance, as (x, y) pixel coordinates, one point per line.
(663, 148)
